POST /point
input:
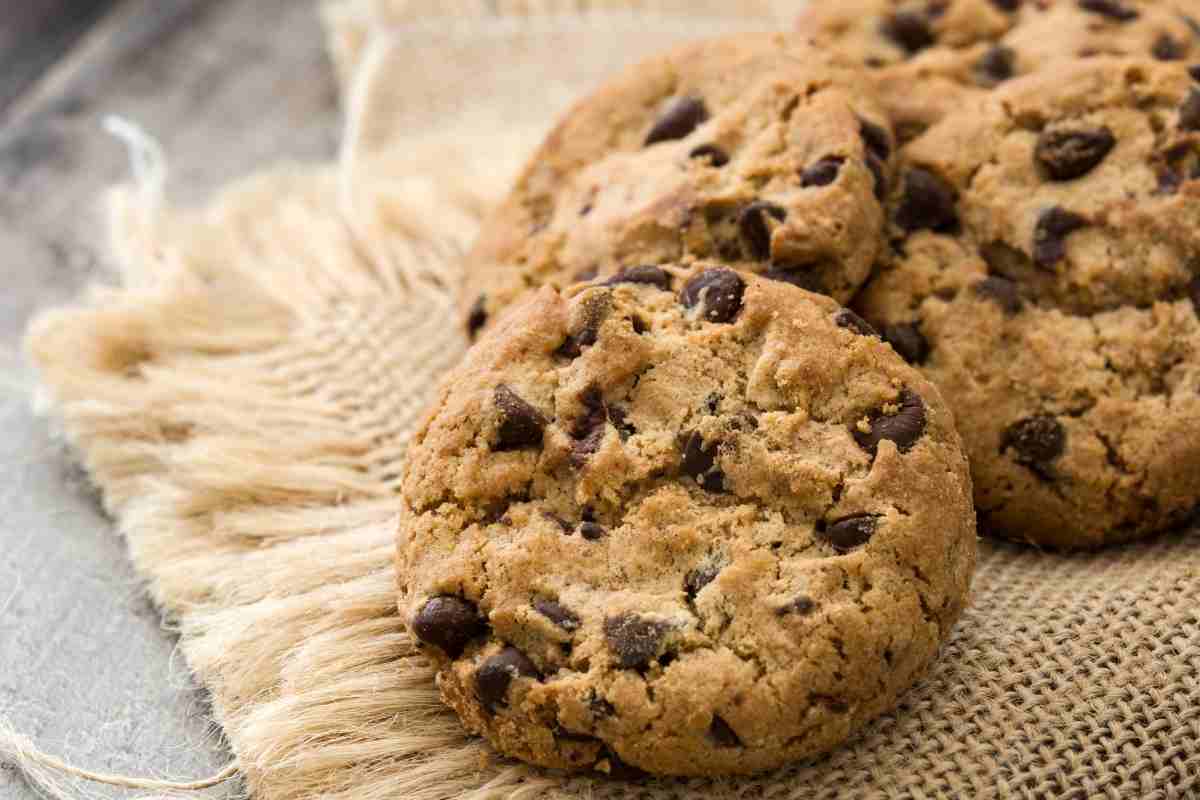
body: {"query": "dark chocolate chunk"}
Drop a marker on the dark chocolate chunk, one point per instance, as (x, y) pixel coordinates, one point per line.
(908, 341)
(1193, 292)
(849, 533)
(881, 181)
(996, 66)
(1194, 71)
(928, 202)
(720, 291)
(698, 457)
(756, 231)
(698, 578)
(496, 674)
(588, 429)
(905, 428)
(851, 321)
(1189, 112)
(647, 274)
(619, 418)
(477, 317)
(557, 613)
(908, 29)
(1113, 9)
(592, 531)
(802, 606)
(1166, 48)
(822, 173)
(1002, 291)
(715, 155)
(634, 640)
(521, 424)
(1068, 154)
(1054, 225)
(876, 138)
(681, 116)
(807, 279)
(721, 734)
(1038, 442)
(448, 623)
(712, 481)
(1007, 5)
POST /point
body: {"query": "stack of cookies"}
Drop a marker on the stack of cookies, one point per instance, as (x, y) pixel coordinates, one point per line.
(763, 326)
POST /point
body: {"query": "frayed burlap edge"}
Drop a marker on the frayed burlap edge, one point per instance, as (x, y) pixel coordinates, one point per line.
(244, 398)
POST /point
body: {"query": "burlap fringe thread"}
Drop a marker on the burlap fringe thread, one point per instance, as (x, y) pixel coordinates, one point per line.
(244, 401)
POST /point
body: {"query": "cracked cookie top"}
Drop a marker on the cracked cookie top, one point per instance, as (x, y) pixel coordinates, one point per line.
(756, 150)
(931, 57)
(1046, 256)
(689, 521)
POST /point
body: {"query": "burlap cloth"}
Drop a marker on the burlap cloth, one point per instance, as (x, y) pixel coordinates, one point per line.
(244, 397)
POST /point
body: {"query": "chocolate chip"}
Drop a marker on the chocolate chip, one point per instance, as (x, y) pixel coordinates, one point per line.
(805, 278)
(592, 531)
(1038, 442)
(697, 579)
(619, 417)
(928, 202)
(851, 321)
(1001, 290)
(559, 614)
(477, 317)
(908, 29)
(599, 706)
(1054, 225)
(1068, 154)
(1166, 48)
(640, 326)
(876, 138)
(496, 674)
(1007, 5)
(618, 770)
(1194, 71)
(448, 623)
(681, 116)
(719, 290)
(881, 181)
(822, 173)
(560, 522)
(521, 424)
(1168, 182)
(755, 230)
(596, 308)
(908, 341)
(698, 460)
(905, 428)
(645, 274)
(712, 402)
(1189, 112)
(721, 734)
(1112, 9)
(634, 640)
(1193, 291)
(588, 430)
(715, 155)
(802, 606)
(997, 65)
(850, 533)
(713, 481)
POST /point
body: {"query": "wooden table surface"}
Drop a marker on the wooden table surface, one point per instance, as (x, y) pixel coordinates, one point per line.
(227, 86)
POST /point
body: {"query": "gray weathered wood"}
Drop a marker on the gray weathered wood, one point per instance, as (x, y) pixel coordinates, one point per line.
(227, 86)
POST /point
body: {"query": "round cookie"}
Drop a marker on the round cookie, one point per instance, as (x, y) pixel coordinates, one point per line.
(1045, 278)
(756, 150)
(932, 57)
(691, 522)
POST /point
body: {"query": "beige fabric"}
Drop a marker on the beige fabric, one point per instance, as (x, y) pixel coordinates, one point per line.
(244, 398)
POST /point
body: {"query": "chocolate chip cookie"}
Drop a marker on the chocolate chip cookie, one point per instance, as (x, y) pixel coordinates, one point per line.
(932, 57)
(755, 150)
(686, 521)
(1045, 278)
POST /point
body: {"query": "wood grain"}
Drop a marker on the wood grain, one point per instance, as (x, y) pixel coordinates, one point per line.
(34, 34)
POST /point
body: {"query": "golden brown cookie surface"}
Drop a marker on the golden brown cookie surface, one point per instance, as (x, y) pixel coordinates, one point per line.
(693, 522)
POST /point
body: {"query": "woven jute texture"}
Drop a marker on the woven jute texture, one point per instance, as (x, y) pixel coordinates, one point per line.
(244, 393)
